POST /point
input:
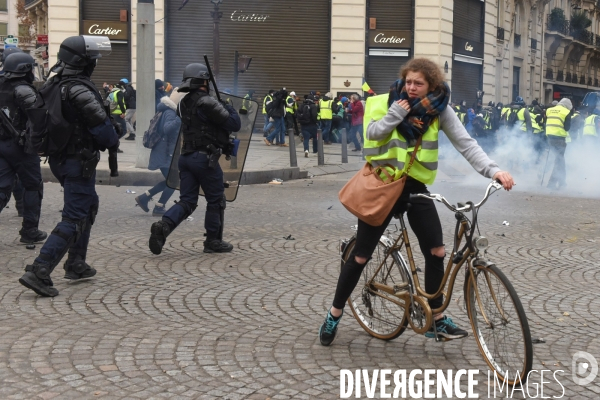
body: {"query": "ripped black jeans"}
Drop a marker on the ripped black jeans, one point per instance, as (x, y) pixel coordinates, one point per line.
(425, 223)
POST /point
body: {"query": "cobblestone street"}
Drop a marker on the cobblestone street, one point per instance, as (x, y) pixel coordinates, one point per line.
(244, 325)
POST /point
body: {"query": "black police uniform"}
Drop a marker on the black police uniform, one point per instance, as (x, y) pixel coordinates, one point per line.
(83, 107)
(206, 125)
(16, 156)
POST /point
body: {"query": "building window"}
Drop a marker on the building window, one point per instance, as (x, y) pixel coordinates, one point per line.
(500, 16)
(3, 5)
(3, 29)
(517, 20)
(516, 79)
(23, 30)
(531, 80)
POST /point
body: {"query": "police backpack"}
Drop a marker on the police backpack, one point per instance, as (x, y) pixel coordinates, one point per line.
(49, 132)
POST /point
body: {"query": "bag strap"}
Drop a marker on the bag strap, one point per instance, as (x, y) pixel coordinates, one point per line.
(412, 158)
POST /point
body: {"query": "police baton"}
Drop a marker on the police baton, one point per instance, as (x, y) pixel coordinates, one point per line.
(212, 78)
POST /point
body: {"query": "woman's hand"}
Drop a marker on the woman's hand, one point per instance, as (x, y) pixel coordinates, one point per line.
(404, 104)
(505, 179)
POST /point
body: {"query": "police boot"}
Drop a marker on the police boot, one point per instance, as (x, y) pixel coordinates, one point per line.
(32, 235)
(142, 201)
(158, 235)
(217, 246)
(76, 268)
(37, 278)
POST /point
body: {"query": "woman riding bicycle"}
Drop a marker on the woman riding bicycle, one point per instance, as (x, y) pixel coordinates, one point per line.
(416, 107)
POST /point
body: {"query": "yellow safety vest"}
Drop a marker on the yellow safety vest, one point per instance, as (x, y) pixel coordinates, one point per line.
(325, 106)
(536, 127)
(504, 111)
(288, 109)
(589, 129)
(488, 123)
(394, 149)
(555, 121)
(265, 101)
(246, 103)
(117, 110)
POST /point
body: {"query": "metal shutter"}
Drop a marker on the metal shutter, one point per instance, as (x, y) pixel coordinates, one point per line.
(118, 64)
(466, 79)
(382, 71)
(290, 49)
(468, 19)
(104, 10)
(392, 14)
(114, 67)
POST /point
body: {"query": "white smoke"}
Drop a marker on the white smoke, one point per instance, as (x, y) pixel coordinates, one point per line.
(515, 152)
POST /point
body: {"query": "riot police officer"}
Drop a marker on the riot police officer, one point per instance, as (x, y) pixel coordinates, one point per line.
(74, 166)
(205, 125)
(16, 156)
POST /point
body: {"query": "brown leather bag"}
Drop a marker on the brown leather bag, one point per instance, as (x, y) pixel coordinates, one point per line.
(369, 197)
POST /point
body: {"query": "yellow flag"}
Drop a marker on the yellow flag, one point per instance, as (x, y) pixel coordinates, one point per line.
(366, 87)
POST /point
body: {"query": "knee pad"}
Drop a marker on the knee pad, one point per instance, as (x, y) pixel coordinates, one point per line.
(187, 207)
(80, 226)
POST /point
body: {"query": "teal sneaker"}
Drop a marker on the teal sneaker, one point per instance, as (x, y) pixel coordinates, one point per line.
(328, 330)
(447, 329)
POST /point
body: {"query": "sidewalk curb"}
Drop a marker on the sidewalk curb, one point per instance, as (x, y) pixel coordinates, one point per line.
(144, 177)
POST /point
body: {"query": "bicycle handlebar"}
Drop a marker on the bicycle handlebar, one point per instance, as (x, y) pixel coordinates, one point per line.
(438, 197)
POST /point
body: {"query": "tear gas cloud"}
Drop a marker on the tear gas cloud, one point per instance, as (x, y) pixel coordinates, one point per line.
(515, 152)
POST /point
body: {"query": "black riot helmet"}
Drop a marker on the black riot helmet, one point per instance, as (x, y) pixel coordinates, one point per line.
(197, 71)
(9, 51)
(18, 65)
(79, 51)
(194, 77)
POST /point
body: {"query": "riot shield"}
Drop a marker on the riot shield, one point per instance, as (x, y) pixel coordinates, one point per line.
(232, 168)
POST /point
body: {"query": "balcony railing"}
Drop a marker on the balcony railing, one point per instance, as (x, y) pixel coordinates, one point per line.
(564, 27)
(590, 82)
(549, 74)
(559, 76)
(517, 40)
(586, 37)
(500, 34)
(596, 82)
(582, 80)
(568, 77)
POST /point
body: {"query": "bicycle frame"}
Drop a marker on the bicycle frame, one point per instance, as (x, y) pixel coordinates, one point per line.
(414, 287)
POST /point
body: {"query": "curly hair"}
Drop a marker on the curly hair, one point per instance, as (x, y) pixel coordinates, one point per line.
(432, 72)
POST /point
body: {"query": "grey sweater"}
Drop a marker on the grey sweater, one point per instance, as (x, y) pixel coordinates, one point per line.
(452, 127)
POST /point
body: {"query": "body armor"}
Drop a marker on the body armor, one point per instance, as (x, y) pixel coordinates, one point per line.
(15, 92)
(198, 133)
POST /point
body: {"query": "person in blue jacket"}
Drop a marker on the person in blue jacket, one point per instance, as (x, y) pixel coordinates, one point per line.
(162, 153)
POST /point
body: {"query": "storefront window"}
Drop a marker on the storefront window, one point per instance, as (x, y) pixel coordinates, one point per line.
(3, 5)
(3, 29)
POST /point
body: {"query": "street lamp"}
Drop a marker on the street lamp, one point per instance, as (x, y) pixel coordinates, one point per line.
(240, 64)
(216, 16)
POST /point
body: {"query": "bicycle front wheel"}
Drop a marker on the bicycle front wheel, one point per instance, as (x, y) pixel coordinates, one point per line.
(499, 324)
(381, 314)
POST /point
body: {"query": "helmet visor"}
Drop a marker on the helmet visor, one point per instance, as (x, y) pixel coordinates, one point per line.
(97, 46)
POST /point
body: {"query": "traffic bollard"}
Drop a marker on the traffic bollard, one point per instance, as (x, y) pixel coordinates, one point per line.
(233, 162)
(292, 143)
(344, 146)
(321, 155)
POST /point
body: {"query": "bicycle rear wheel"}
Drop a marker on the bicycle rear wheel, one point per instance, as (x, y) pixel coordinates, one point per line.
(383, 318)
(499, 324)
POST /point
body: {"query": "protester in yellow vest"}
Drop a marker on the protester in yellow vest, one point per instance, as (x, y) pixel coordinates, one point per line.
(591, 128)
(117, 107)
(558, 123)
(416, 107)
(290, 113)
(267, 126)
(326, 114)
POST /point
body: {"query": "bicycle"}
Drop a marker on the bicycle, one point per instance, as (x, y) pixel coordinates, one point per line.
(389, 296)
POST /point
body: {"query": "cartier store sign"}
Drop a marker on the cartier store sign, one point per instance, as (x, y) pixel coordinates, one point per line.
(390, 39)
(467, 47)
(113, 29)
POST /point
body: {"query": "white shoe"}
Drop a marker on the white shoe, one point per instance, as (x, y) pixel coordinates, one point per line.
(306, 153)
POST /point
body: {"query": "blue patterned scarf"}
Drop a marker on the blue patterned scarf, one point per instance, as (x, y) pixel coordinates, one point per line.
(422, 111)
